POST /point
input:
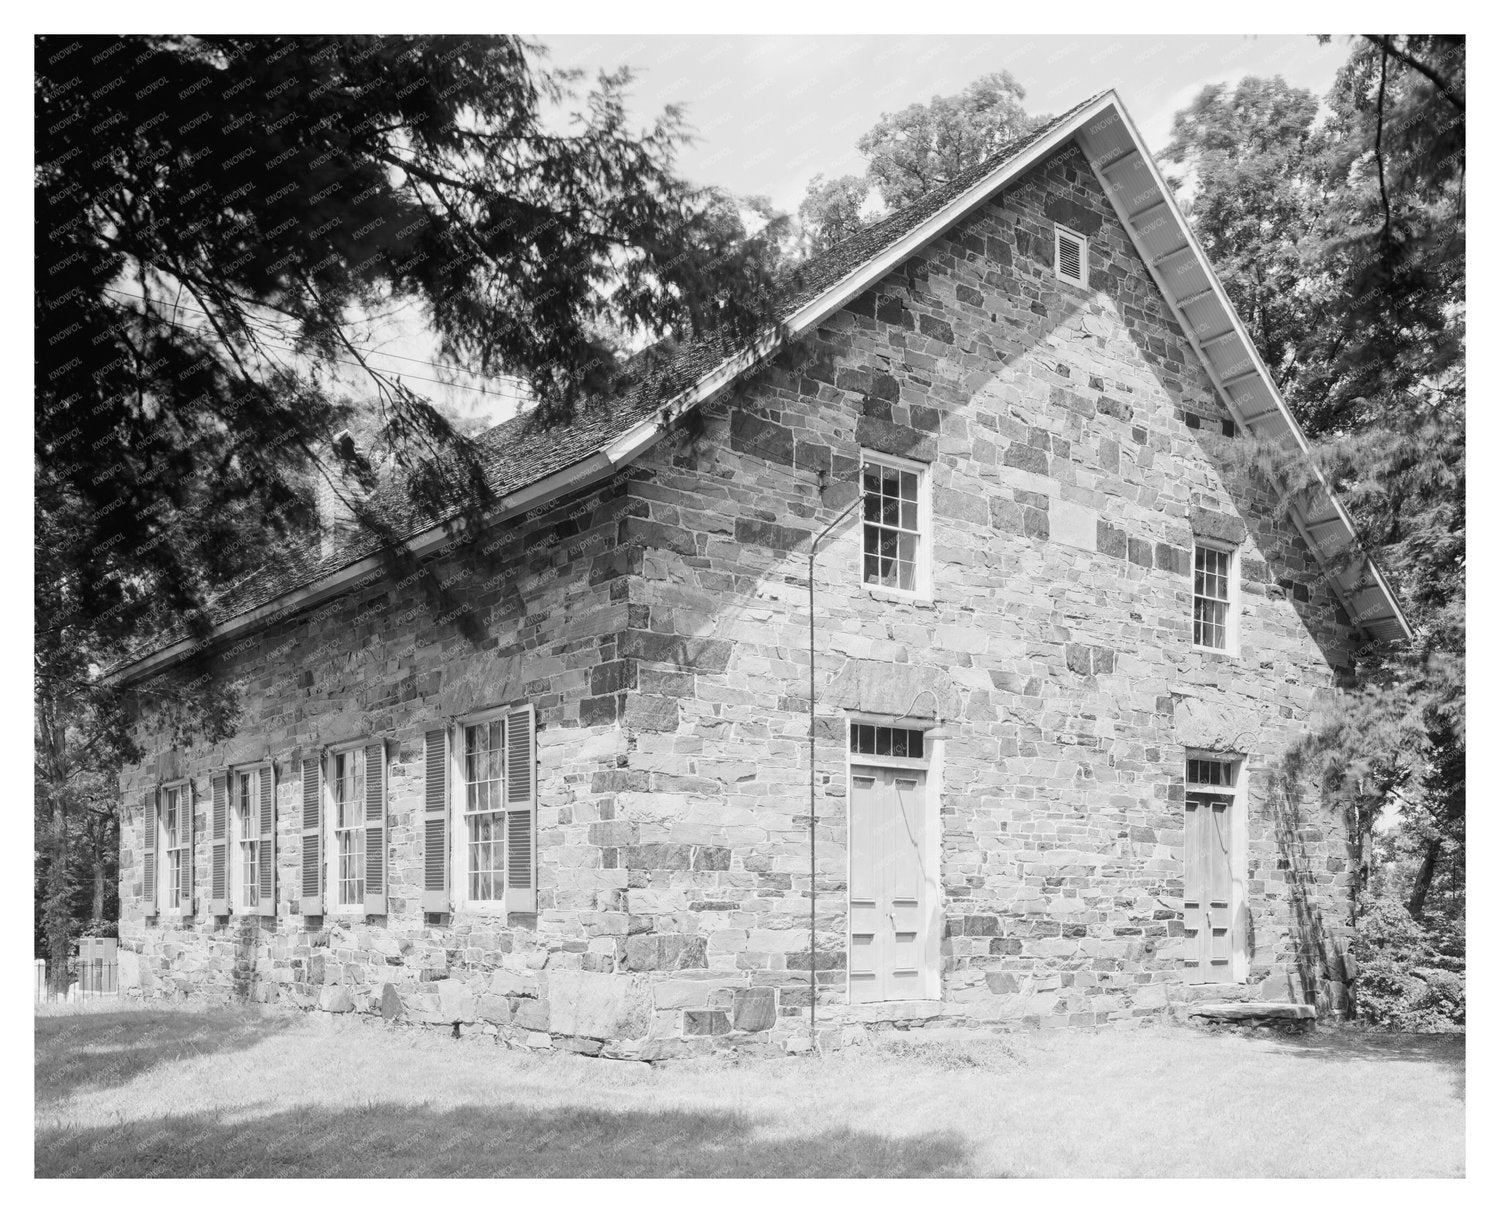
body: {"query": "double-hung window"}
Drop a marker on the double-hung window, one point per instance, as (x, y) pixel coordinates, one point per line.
(346, 820)
(245, 827)
(1214, 594)
(896, 524)
(484, 816)
(176, 804)
(480, 820)
(491, 789)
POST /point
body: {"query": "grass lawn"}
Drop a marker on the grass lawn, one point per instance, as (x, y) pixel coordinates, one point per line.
(139, 1091)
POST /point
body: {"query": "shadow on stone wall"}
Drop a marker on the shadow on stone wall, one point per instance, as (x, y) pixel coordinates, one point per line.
(247, 934)
(391, 1139)
(1318, 960)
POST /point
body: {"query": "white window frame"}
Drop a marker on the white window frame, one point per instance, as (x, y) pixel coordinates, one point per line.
(331, 882)
(458, 814)
(243, 834)
(1237, 793)
(169, 860)
(1058, 232)
(921, 590)
(1232, 603)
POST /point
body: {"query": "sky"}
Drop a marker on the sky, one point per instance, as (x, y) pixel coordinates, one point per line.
(772, 111)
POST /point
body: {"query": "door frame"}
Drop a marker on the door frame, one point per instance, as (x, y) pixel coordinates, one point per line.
(1239, 854)
(932, 764)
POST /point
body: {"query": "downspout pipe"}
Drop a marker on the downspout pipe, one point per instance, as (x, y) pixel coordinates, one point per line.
(812, 765)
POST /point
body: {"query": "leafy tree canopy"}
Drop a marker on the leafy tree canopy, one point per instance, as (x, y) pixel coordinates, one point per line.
(214, 214)
(1339, 232)
(915, 150)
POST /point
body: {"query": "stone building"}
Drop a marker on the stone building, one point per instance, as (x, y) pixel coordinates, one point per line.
(1061, 635)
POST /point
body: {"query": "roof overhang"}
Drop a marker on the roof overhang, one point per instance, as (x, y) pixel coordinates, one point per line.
(1178, 264)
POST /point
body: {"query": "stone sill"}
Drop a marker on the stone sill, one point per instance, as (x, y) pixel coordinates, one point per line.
(923, 601)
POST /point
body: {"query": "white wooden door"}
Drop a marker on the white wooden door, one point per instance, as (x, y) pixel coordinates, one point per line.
(1206, 890)
(890, 893)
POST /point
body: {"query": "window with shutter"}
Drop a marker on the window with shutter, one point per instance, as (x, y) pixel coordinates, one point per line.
(174, 849)
(1070, 256)
(493, 773)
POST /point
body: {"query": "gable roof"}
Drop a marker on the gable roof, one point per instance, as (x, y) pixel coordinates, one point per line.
(526, 466)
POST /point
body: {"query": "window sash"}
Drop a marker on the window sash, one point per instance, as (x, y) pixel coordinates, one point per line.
(1212, 570)
(892, 542)
(481, 841)
(346, 789)
(883, 741)
(245, 888)
(171, 826)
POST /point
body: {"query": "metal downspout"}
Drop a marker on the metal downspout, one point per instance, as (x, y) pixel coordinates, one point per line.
(812, 770)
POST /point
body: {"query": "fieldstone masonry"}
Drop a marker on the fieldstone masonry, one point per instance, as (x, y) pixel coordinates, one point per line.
(658, 623)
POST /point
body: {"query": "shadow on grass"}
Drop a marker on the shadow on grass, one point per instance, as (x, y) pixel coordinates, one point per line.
(391, 1139)
(1445, 1050)
(101, 1049)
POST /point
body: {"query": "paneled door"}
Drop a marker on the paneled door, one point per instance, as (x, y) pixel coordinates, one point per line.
(891, 886)
(1206, 889)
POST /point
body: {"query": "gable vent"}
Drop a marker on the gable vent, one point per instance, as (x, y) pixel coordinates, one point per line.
(1071, 256)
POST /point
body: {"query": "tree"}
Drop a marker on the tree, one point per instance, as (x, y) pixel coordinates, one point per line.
(1257, 159)
(1342, 243)
(913, 151)
(925, 146)
(830, 211)
(214, 215)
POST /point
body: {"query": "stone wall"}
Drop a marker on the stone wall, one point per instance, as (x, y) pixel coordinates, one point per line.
(1076, 448)
(660, 626)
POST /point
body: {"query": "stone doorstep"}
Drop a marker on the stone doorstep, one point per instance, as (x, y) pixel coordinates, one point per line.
(884, 1012)
(1234, 1012)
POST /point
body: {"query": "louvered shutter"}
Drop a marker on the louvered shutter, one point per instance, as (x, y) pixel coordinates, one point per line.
(218, 836)
(520, 810)
(267, 855)
(435, 825)
(148, 851)
(375, 847)
(311, 900)
(185, 813)
(1069, 258)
